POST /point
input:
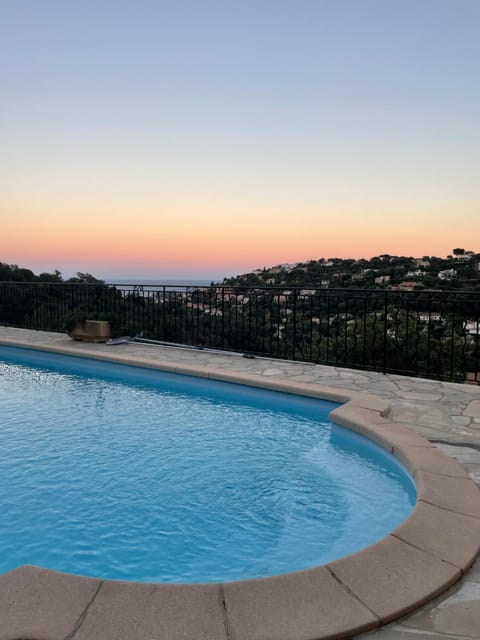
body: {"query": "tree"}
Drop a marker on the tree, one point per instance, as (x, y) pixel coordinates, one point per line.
(23, 275)
(51, 277)
(85, 278)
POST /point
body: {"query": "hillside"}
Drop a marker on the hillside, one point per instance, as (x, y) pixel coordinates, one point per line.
(461, 270)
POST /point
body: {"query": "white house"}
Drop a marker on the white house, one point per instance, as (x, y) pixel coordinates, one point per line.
(213, 312)
(446, 274)
(425, 316)
(472, 327)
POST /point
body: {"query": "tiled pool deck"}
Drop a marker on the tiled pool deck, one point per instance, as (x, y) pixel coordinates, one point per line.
(429, 553)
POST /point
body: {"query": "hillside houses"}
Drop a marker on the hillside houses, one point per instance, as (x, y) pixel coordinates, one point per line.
(446, 274)
(420, 262)
(407, 285)
(398, 273)
(426, 316)
(471, 327)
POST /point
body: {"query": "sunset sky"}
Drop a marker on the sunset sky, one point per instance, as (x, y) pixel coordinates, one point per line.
(197, 139)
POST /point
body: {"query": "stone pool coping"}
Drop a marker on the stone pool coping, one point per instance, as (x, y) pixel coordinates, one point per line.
(426, 554)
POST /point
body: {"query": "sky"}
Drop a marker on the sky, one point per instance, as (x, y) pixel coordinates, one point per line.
(199, 139)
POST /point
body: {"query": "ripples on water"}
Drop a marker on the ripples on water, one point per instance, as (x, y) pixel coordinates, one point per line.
(154, 481)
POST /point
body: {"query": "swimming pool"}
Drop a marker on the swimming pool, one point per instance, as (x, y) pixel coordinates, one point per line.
(122, 472)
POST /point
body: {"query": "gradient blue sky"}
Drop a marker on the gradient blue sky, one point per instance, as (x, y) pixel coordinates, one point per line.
(181, 139)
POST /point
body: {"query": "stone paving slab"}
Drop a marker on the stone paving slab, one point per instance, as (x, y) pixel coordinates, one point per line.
(452, 616)
(264, 609)
(398, 633)
(380, 577)
(431, 459)
(450, 421)
(455, 494)
(472, 409)
(430, 530)
(132, 611)
(455, 613)
(399, 435)
(39, 604)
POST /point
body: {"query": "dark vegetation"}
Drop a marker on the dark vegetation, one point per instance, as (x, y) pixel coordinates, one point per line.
(288, 311)
(427, 272)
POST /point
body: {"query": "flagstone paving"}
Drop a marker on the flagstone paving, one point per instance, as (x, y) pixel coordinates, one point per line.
(447, 414)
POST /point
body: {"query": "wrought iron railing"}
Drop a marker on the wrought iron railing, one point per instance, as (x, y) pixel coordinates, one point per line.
(434, 334)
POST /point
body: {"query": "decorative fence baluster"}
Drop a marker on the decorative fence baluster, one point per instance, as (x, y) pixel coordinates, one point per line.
(425, 333)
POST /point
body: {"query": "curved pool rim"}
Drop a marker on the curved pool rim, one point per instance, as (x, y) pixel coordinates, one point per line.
(354, 594)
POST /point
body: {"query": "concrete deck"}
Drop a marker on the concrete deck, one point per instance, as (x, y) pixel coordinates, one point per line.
(431, 426)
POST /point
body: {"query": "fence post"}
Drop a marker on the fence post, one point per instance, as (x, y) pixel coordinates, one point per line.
(223, 317)
(164, 312)
(294, 337)
(385, 334)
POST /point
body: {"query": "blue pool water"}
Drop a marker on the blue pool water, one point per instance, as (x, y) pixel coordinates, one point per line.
(121, 472)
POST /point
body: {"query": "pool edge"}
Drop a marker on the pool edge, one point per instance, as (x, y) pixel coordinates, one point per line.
(374, 586)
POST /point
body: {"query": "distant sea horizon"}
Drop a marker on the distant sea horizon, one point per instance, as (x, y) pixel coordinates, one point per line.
(168, 282)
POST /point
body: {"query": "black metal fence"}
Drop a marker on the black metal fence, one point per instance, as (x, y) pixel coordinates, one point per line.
(433, 334)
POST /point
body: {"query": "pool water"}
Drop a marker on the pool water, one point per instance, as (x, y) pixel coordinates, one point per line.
(122, 472)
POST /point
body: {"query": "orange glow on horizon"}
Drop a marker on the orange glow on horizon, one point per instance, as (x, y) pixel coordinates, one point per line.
(171, 238)
(226, 140)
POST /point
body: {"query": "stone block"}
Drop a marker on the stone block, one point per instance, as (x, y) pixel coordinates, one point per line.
(298, 606)
(41, 604)
(460, 495)
(472, 409)
(428, 459)
(392, 578)
(450, 536)
(141, 611)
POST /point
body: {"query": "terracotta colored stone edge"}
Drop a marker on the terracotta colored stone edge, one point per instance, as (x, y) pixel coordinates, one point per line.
(380, 583)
